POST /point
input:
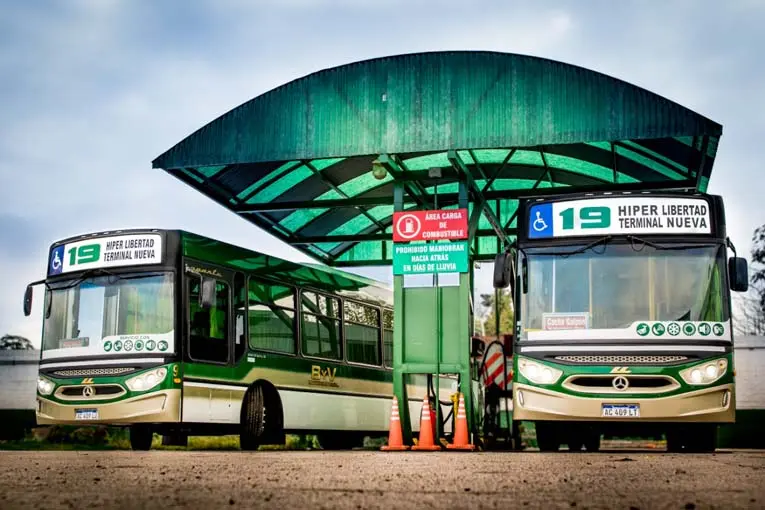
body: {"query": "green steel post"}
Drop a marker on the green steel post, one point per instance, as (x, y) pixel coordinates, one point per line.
(466, 386)
(399, 386)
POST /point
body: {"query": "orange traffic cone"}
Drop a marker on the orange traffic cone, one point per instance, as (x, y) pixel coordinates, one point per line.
(425, 443)
(395, 438)
(461, 432)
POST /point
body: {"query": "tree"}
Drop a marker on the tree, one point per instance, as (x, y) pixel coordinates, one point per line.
(506, 313)
(15, 343)
(750, 314)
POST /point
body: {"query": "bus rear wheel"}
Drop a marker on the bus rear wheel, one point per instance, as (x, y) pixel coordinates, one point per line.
(141, 437)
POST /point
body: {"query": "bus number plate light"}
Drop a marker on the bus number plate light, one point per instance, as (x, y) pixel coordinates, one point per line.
(620, 411)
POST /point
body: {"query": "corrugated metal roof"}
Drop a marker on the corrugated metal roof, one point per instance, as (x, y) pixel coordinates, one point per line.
(297, 160)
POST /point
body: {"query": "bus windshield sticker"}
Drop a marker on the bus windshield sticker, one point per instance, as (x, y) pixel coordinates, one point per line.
(68, 343)
(573, 326)
(619, 215)
(558, 321)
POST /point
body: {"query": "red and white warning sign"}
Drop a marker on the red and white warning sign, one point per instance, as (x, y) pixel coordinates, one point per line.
(441, 225)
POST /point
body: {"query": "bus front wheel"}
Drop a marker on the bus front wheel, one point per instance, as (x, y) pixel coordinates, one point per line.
(262, 418)
(141, 437)
(699, 438)
(547, 437)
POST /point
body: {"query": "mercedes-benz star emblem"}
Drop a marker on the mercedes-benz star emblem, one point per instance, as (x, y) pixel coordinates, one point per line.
(88, 391)
(620, 383)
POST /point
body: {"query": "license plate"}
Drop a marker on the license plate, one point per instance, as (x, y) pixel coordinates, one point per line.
(621, 411)
(86, 414)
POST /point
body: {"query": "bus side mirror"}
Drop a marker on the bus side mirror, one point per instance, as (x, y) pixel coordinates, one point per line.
(207, 293)
(504, 270)
(28, 301)
(738, 273)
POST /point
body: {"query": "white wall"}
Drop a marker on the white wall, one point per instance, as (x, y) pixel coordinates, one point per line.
(18, 379)
(749, 362)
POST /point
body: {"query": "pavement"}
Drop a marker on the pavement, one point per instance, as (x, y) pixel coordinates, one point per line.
(386, 480)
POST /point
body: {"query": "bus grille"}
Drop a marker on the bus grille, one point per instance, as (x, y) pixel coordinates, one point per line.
(99, 392)
(629, 383)
(94, 372)
(622, 360)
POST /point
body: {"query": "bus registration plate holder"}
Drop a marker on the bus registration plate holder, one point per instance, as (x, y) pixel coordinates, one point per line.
(620, 411)
(86, 414)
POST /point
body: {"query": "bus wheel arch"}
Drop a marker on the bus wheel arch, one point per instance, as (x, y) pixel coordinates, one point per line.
(261, 416)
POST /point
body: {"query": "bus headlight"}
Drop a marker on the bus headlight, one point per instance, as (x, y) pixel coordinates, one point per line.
(538, 373)
(44, 386)
(706, 373)
(147, 380)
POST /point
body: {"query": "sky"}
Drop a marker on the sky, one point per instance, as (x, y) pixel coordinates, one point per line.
(92, 90)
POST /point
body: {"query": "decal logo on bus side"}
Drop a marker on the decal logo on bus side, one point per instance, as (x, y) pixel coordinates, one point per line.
(323, 376)
(201, 270)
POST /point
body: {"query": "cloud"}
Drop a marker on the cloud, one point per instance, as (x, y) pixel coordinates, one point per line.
(99, 89)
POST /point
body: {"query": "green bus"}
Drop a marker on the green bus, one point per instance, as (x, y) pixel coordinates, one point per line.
(623, 318)
(169, 332)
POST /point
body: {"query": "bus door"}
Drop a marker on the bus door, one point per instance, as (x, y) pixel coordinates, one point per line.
(209, 395)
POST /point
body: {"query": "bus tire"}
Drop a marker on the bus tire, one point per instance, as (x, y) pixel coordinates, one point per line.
(547, 437)
(141, 437)
(703, 439)
(700, 438)
(262, 418)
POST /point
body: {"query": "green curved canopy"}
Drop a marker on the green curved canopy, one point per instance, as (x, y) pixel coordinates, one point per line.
(297, 160)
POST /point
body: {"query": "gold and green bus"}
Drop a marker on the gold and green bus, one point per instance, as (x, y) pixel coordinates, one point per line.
(168, 332)
(623, 318)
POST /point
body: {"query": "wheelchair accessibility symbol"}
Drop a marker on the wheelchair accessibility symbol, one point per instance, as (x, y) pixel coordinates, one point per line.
(56, 261)
(539, 224)
(540, 221)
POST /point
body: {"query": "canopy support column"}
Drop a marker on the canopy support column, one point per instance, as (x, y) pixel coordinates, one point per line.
(432, 334)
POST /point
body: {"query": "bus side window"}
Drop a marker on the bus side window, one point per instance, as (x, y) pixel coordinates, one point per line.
(388, 337)
(240, 316)
(208, 329)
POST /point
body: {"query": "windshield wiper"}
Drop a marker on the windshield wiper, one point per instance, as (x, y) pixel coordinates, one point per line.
(89, 273)
(645, 242)
(582, 249)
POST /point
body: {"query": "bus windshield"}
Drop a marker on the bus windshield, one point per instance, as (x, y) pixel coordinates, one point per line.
(617, 286)
(110, 315)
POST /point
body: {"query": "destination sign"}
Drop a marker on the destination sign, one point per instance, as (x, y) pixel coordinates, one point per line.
(431, 258)
(440, 225)
(619, 215)
(124, 250)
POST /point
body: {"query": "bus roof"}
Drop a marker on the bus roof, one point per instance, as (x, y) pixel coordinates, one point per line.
(307, 274)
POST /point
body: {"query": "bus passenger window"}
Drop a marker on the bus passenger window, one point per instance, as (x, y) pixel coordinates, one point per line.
(271, 317)
(240, 316)
(388, 337)
(362, 333)
(320, 327)
(208, 329)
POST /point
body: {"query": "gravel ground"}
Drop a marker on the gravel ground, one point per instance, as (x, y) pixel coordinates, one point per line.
(364, 479)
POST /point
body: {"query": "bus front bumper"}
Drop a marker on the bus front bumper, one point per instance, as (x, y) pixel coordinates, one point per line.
(154, 407)
(714, 405)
